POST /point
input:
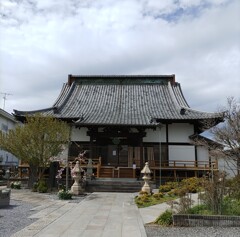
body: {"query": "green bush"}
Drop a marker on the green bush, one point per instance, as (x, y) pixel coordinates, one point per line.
(230, 206)
(158, 195)
(64, 195)
(143, 193)
(35, 187)
(139, 202)
(15, 185)
(165, 188)
(234, 187)
(173, 184)
(199, 209)
(145, 198)
(181, 191)
(165, 218)
(168, 186)
(42, 187)
(192, 184)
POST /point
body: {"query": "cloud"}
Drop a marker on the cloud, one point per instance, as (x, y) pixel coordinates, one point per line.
(44, 41)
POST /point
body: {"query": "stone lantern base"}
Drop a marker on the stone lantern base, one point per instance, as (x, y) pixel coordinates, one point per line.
(77, 189)
(146, 188)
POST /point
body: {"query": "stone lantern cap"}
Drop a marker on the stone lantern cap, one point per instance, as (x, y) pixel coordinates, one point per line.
(77, 168)
(146, 169)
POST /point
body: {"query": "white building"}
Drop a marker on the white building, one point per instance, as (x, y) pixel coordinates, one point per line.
(7, 122)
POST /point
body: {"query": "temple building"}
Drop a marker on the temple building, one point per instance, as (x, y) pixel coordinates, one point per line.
(124, 121)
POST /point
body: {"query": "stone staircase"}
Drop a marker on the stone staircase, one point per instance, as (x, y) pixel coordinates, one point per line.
(126, 185)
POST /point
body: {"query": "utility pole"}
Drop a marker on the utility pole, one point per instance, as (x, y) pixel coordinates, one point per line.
(4, 98)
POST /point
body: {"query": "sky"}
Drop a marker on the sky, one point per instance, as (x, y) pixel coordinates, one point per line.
(43, 41)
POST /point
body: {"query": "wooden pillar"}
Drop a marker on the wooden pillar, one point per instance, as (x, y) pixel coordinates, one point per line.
(196, 156)
(167, 140)
(141, 154)
(175, 175)
(91, 147)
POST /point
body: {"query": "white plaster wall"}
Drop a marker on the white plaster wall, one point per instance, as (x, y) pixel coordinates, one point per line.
(9, 123)
(79, 134)
(181, 153)
(180, 132)
(155, 135)
(202, 153)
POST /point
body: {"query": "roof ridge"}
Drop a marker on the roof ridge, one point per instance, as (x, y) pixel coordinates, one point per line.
(122, 75)
(121, 78)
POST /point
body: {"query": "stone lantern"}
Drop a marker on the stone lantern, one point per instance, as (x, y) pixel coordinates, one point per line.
(89, 169)
(146, 171)
(76, 188)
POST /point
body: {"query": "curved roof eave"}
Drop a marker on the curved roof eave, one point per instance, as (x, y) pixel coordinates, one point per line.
(121, 104)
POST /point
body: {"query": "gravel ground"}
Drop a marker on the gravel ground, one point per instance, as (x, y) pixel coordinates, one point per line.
(14, 217)
(156, 231)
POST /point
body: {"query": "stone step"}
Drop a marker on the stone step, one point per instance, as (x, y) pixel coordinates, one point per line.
(115, 185)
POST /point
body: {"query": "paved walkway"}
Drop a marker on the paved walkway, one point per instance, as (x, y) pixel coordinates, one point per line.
(98, 215)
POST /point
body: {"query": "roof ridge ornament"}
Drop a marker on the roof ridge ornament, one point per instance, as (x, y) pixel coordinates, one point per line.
(182, 111)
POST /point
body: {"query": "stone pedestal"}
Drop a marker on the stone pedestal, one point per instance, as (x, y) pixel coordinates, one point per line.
(146, 187)
(76, 188)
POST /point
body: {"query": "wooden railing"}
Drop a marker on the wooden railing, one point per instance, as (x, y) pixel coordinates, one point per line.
(179, 164)
(155, 166)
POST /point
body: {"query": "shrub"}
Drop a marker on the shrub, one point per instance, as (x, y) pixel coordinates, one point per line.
(165, 218)
(143, 193)
(192, 184)
(139, 202)
(172, 193)
(181, 191)
(15, 185)
(184, 204)
(35, 187)
(165, 188)
(230, 206)
(42, 187)
(234, 187)
(198, 209)
(173, 184)
(64, 195)
(145, 198)
(158, 195)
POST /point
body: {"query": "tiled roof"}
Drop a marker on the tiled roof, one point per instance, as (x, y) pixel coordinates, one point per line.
(122, 100)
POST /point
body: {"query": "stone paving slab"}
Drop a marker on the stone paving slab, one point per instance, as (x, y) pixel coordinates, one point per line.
(99, 214)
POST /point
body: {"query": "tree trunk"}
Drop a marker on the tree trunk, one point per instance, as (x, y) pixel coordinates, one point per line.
(33, 175)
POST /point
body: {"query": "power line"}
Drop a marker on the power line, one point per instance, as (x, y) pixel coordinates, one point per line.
(4, 98)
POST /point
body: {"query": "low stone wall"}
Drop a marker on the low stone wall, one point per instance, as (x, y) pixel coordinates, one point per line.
(203, 220)
(5, 197)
